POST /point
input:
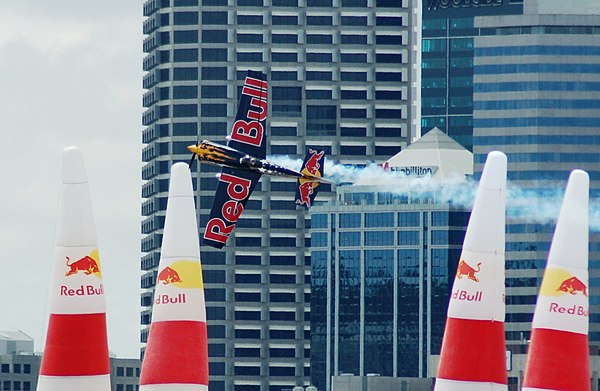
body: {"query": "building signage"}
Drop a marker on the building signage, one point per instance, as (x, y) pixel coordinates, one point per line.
(415, 171)
(434, 5)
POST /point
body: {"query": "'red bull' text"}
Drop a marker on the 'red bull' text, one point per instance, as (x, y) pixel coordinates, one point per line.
(83, 290)
(166, 299)
(572, 310)
(463, 295)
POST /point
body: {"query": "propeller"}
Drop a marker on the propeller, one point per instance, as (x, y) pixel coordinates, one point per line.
(193, 154)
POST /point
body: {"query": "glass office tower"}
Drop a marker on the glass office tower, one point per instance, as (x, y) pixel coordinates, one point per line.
(383, 265)
(536, 98)
(447, 78)
(339, 80)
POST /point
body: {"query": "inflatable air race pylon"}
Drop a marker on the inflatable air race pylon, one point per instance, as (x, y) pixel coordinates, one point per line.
(76, 354)
(558, 357)
(473, 349)
(176, 356)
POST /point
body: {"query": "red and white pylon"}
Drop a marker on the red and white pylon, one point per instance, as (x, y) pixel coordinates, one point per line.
(76, 353)
(473, 349)
(558, 357)
(176, 357)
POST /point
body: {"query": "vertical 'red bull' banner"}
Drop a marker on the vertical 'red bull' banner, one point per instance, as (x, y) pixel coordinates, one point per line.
(558, 357)
(473, 349)
(76, 351)
(176, 354)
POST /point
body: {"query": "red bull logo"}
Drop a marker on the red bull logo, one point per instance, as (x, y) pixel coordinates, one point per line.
(305, 190)
(313, 164)
(573, 286)
(180, 275)
(83, 290)
(559, 282)
(87, 265)
(168, 276)
(466, 270)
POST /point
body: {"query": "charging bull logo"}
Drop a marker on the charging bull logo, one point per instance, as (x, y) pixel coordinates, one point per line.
(573, 286)
(313, 165)
(182, 274)
(465, 270)
(307, 188)
(87, 265)
(558, 282)
(168, 276)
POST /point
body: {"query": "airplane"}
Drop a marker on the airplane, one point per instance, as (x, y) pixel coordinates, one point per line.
(243, 163)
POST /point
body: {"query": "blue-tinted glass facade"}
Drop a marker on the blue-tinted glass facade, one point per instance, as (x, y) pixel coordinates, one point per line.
(447, 64)
(380, 283)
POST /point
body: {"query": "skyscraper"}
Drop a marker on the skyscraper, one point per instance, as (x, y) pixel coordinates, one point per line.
(447, 80)
(383, 263)
(536, 83)
(339, 80)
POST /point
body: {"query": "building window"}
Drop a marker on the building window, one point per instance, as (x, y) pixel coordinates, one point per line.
(187, 36)
(379, 238)
(247, 278)
(354, 39)
(282, 334)
(408, 238)
(180, 74)
(214, 17)
(284, 20)
(283, 75)
(185, 18)
(214, 55)
(256, 20)
(319, 75)
(354, 76)
(247, 352)
(214, 36)
(319, 20)
(284, 57)
(319, 57)
(284, 38)
(350, 220)
(319, 39)
(349, 239)
(354, 20)
(249, 57)
(389, 21)
(250, 38)
(185, 92)
(373, 220)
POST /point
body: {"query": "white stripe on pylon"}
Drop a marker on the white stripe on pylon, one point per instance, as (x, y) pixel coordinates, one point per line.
(456, 385)
(73, 383)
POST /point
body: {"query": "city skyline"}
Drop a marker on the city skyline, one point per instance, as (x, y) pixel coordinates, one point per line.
(49, 73)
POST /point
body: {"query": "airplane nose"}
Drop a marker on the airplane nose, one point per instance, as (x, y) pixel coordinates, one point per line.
(192, 148)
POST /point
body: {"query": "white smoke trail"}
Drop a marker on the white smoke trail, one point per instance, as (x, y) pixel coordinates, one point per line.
(536, 206)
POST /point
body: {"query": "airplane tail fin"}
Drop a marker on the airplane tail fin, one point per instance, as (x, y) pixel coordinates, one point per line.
(313, 168)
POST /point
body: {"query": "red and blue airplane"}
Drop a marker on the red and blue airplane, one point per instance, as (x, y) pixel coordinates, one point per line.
(243, 162)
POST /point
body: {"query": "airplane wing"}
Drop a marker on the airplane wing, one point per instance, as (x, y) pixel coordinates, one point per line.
(235, 186)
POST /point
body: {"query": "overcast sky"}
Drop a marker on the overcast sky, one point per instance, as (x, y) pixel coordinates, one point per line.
(70, 74)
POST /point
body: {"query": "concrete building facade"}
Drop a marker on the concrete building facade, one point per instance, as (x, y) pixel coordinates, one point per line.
(536, 84)
(339, 74)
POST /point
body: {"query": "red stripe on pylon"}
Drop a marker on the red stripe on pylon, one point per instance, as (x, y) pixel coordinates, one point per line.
(473, 350)
(76, 345)
(176, 353)
(558, 360)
